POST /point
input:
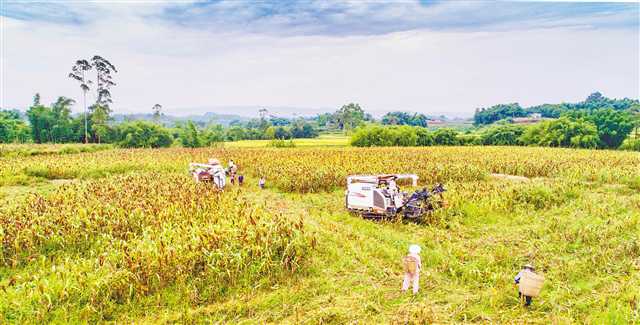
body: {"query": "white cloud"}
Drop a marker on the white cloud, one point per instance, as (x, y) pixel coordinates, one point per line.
(429, 71)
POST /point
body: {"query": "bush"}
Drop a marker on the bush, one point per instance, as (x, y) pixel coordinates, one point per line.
(190, 136)
(470, 139)
(281, 143)
(631, 144)
(380, 136)
(446, 137)
(140, 134)
(563, 132)
(612, 126)
(503, 135)
(425, 138)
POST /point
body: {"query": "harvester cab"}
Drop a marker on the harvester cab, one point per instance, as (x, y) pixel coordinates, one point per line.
(210, 172)
(378, 196)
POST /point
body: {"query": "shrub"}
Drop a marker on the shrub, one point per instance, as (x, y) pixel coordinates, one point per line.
(563, 132)
(503, 135)
(380, 136)
(190, 136)
(425, 138)
(281, 143)
(470, 139)
(631, 144)
(140, 134)
(446, 137)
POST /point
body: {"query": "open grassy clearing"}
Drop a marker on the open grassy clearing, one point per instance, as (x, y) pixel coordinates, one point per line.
(578, 220)
(324, 140)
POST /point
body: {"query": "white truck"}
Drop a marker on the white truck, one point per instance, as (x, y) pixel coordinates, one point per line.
(378, 196)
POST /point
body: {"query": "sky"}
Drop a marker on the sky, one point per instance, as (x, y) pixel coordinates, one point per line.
(305, 57)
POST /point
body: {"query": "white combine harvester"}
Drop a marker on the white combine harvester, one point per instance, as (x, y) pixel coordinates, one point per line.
(210, 172)
(378, 196)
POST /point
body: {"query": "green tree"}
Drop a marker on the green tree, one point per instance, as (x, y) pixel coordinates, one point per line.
(104, 81)
(349, 116)
(282, 133)
(213, 134)
(613, 126)
(235, 133)
(301, 129)
(503, 135)
(425, 138)
(141, 134)
(404, 118)
(51, 124)
(324, 120)
(382, 136)
(99, 117)
(79, 73)
(446, 137)
(62, 123)
(41, 121)
(190, 136)
(498, 112)
(563, 132)
(13, 128)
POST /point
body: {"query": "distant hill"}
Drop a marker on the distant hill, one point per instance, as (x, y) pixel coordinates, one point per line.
(170, 120)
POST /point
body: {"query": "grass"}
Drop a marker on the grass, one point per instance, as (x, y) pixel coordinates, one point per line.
(470, 260)
(577, 220)
(25, 150)
(324, 140)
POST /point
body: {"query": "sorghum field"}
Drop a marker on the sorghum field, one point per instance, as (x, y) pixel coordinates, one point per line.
(127, 236)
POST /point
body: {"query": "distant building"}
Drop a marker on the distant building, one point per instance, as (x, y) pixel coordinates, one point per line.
(436, 122)
(532, 118)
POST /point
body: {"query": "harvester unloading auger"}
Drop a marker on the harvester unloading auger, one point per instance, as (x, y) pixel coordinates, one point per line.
(378, 196)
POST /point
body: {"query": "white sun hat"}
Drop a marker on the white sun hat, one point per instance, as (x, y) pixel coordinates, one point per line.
(414, 249)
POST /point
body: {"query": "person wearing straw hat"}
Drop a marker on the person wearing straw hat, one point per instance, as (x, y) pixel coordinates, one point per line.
(412, 265)
(526, 268)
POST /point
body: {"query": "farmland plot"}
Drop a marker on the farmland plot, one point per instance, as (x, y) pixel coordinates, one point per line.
(131, 238)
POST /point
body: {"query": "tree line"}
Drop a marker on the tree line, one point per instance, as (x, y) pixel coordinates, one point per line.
(604, 128)
(595, 101)
(54, 123)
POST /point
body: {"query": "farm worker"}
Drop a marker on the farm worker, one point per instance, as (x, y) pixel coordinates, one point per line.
(393, 187)
(233, 179)
(240, 179)
(261, 182)
(412, 264)
(526, 268)
(232, 167)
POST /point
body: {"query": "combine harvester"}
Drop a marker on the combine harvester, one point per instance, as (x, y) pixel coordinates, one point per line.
(210, 172)
(378, 196)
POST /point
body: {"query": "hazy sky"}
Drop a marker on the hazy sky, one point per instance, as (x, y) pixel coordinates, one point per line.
(435, 57)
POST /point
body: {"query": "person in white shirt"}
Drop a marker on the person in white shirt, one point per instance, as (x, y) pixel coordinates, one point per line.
(412, 265)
